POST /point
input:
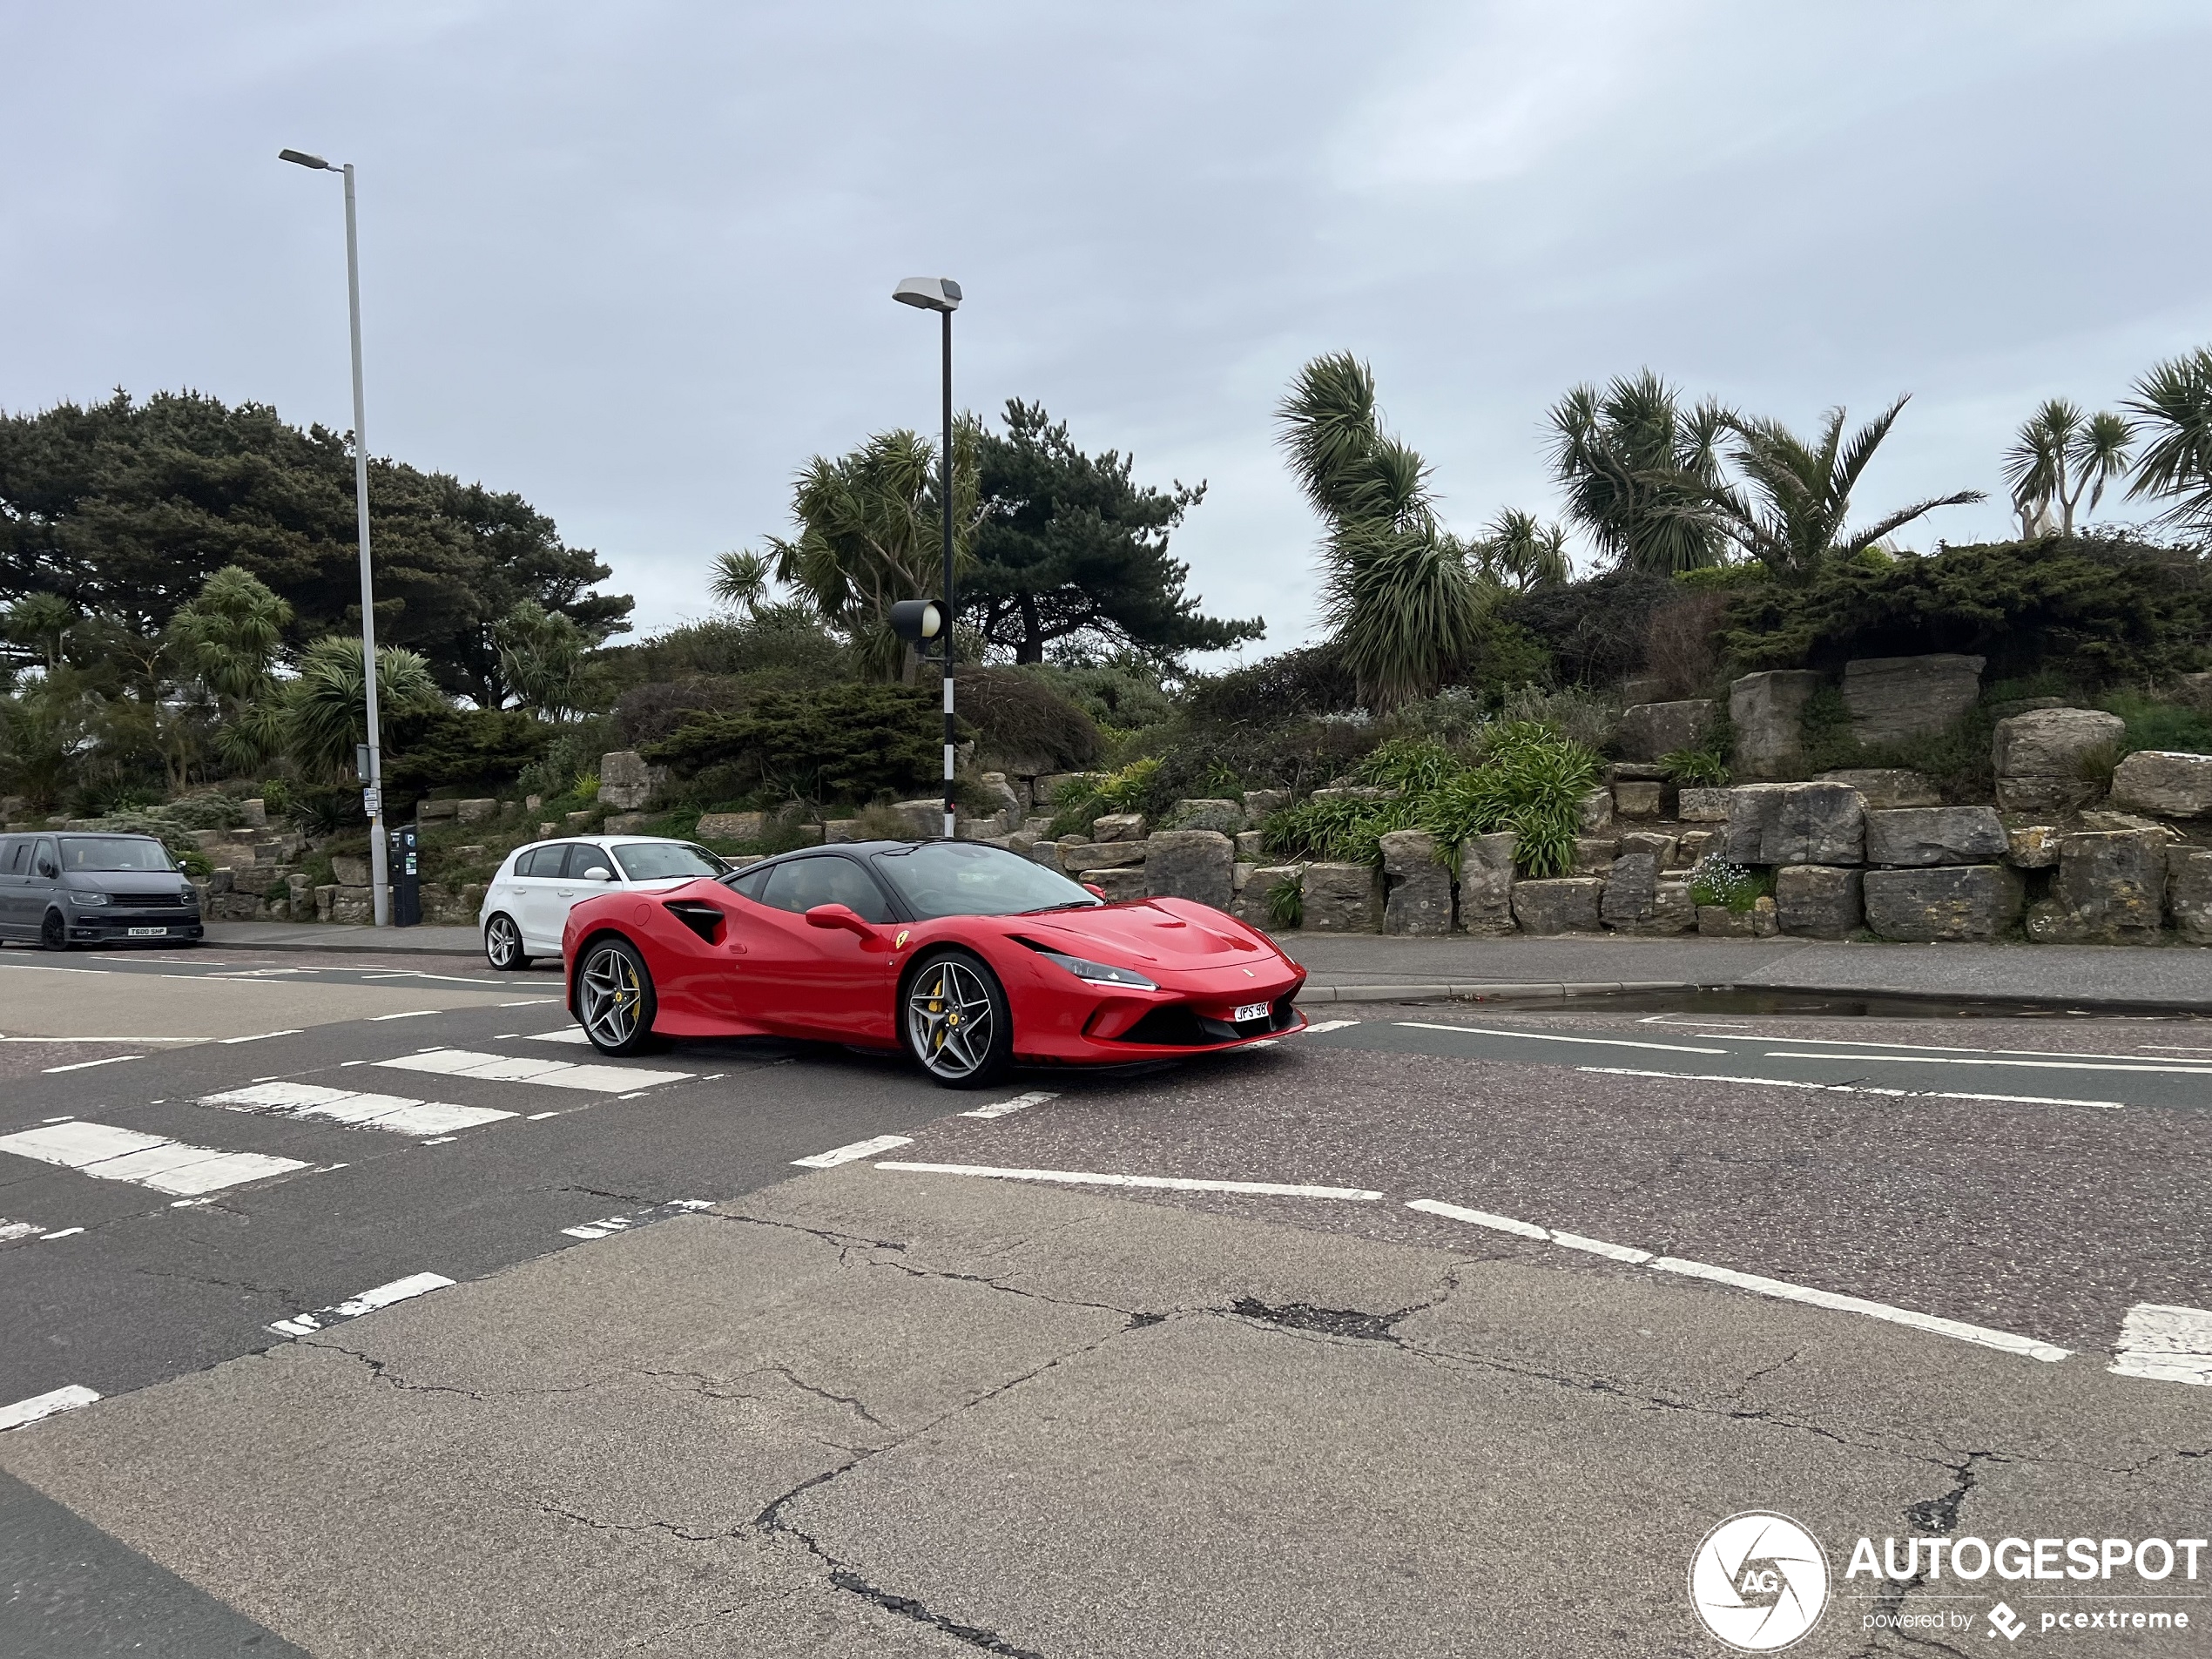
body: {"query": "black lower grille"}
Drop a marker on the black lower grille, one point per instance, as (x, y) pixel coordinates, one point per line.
(1182, 1027)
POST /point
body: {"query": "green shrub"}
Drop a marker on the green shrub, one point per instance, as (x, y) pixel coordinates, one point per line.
(2093, 610)
(2153, 724)
(841, 742)
(1286, 904)
(472, 750)
(1018, 714)
(1696, 768)
(1731, 885)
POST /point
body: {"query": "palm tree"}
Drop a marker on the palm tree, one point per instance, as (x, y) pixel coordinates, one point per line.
(228, 638)
(869, 535)
(2175, 400)
(2059, 454)
(1792, 517)
(40, 621)
(541, 658)
(1639, 471)
(1519, 552)
(1398, 594)
(326, 708)
(739, 581)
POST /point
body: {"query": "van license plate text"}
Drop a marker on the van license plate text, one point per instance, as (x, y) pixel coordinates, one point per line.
(149, 933)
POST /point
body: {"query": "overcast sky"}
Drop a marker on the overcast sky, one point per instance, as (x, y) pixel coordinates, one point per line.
(633, 261)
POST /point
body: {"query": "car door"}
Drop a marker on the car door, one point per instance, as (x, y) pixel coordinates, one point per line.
(15, 858)
(826, 981)
(539, 911)
(41, 884)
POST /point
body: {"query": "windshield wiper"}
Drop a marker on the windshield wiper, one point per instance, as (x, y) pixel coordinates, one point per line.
(1072, 904)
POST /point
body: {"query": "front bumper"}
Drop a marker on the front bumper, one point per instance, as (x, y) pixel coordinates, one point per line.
(104, 927)
(1095, 1025)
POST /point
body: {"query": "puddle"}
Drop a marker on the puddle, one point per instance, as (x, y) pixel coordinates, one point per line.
(1841, 1005)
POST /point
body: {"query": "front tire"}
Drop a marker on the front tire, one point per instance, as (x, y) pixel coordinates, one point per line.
(955, 1020)
(614, 997)
(53, 932)
(503, 945)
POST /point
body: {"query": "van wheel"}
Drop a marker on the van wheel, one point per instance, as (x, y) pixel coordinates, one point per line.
(53, 932)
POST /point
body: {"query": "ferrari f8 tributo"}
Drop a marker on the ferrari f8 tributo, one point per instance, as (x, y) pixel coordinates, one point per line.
(969, 957)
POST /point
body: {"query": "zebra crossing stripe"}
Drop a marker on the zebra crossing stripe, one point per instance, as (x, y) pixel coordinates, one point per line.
(354, 1110)
(2166, 1344)
(400, 1290)
(1002, 1107)
(524, 1069)
(174, 1167)
(38, 1405)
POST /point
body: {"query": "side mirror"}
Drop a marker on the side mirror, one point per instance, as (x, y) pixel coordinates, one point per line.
(838, 915)
(1093, 887)
(598, 873)
(49, 870)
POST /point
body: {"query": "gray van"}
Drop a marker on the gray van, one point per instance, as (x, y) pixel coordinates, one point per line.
(63, 888)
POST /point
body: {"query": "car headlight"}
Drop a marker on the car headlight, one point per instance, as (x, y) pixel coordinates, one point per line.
(88, 898)
(1100, 972)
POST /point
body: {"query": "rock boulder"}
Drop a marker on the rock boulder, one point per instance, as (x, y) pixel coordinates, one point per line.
(1894, 698)
(2043, 758)
(1886, 786)
(1637, 901)
(1118, 827)
(1191, 864)
(2169, 783)
(1766, 712)
(1565, 905)
(1818, 901)
(1486, 884)
(1968, 901)
(1649, 730)
(1417, 889)
(2111, 890)
(2188, 894)
(1342, 899)
(1795, 824)
(1928, 835)
(1224, 817)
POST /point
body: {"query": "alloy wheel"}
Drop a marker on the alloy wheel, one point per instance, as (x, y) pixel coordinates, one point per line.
(53, 932)
(950, 1020)
(610, 996)
(503, 943)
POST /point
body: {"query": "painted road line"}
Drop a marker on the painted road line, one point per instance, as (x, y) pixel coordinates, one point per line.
(11, 1230)
(1856, 1089)
(554, 1074)
(400, 1290)
(1163, 1183)
(570, 1034)
(2165, 1343)
(86, 1065)
(1003, 1108)
(173, 1167)
(606, 1226)
(1329, 1025)
(60, 1232)
(38, 1405)
(2030, 1065)
(858, 1149)
(411, 1013)
(354, 1110)
(1550, 1037)
(1787, 1292)
(262, 1036)
(1756, 1283)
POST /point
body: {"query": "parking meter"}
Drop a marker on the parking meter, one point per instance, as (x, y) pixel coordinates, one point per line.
(407, 879)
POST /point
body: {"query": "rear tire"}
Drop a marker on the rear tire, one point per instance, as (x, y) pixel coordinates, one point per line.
(503, 944)
(614, 997)
(53, 932)
(955, 1020)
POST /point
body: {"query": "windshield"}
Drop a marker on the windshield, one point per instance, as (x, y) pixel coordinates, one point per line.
(958, 878)
(93, 854)
(657, 860)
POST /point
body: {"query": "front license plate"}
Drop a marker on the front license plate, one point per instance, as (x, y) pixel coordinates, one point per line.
(159, 933)
(1251, 1011)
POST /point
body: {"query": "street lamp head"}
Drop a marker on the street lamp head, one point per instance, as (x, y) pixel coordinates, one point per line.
(302, 158)
(931, 293)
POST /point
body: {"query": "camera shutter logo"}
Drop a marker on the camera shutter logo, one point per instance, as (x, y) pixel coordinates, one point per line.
(1758, 1581)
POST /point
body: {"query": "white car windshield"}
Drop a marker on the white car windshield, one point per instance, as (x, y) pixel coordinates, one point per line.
(659, 861)
(109, 853)
(960, 878)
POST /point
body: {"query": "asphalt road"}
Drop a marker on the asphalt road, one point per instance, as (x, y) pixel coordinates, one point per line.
(1351, 1343)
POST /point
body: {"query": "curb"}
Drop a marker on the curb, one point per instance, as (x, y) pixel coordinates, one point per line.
(382, 941)
(1558, 991)
(1488, 991)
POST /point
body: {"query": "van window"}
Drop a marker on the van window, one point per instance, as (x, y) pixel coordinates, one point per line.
(14, 855)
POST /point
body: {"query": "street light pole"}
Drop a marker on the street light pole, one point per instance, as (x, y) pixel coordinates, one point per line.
(380, 873)
(942, 295)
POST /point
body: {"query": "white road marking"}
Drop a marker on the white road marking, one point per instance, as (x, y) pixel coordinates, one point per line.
(1329, 1025)
(1789, 1292)
(2169, 1048)
(1164, 1183)
(411, 1013)
(531, 1003)
(38, 1405)
(838, 1155)
(173, 1167)
(103, 1040)
(442, 1140)
(354, 1110)
(86, 1065)
(535, 1116)
(1552, 1036)
(2032, 1065)
(11, 1230)
(1002, 1107)
(555, 1074)
(60, 1232)
(261, 1036)
(2165, 1343)
(1758, 1284)
(1857, 1089)
(400, 1290)
(570, 1034)
(1928, 1048)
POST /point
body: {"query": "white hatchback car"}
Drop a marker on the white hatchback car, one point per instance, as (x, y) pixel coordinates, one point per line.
(528, 903)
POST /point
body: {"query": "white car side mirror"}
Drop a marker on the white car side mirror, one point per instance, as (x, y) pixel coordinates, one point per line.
(598, 873)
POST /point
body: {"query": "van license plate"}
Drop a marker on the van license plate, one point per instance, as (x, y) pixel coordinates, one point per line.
(149, 933)
(1251, 1011)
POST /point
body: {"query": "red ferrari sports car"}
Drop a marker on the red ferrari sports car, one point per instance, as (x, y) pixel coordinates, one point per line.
(970, 957)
